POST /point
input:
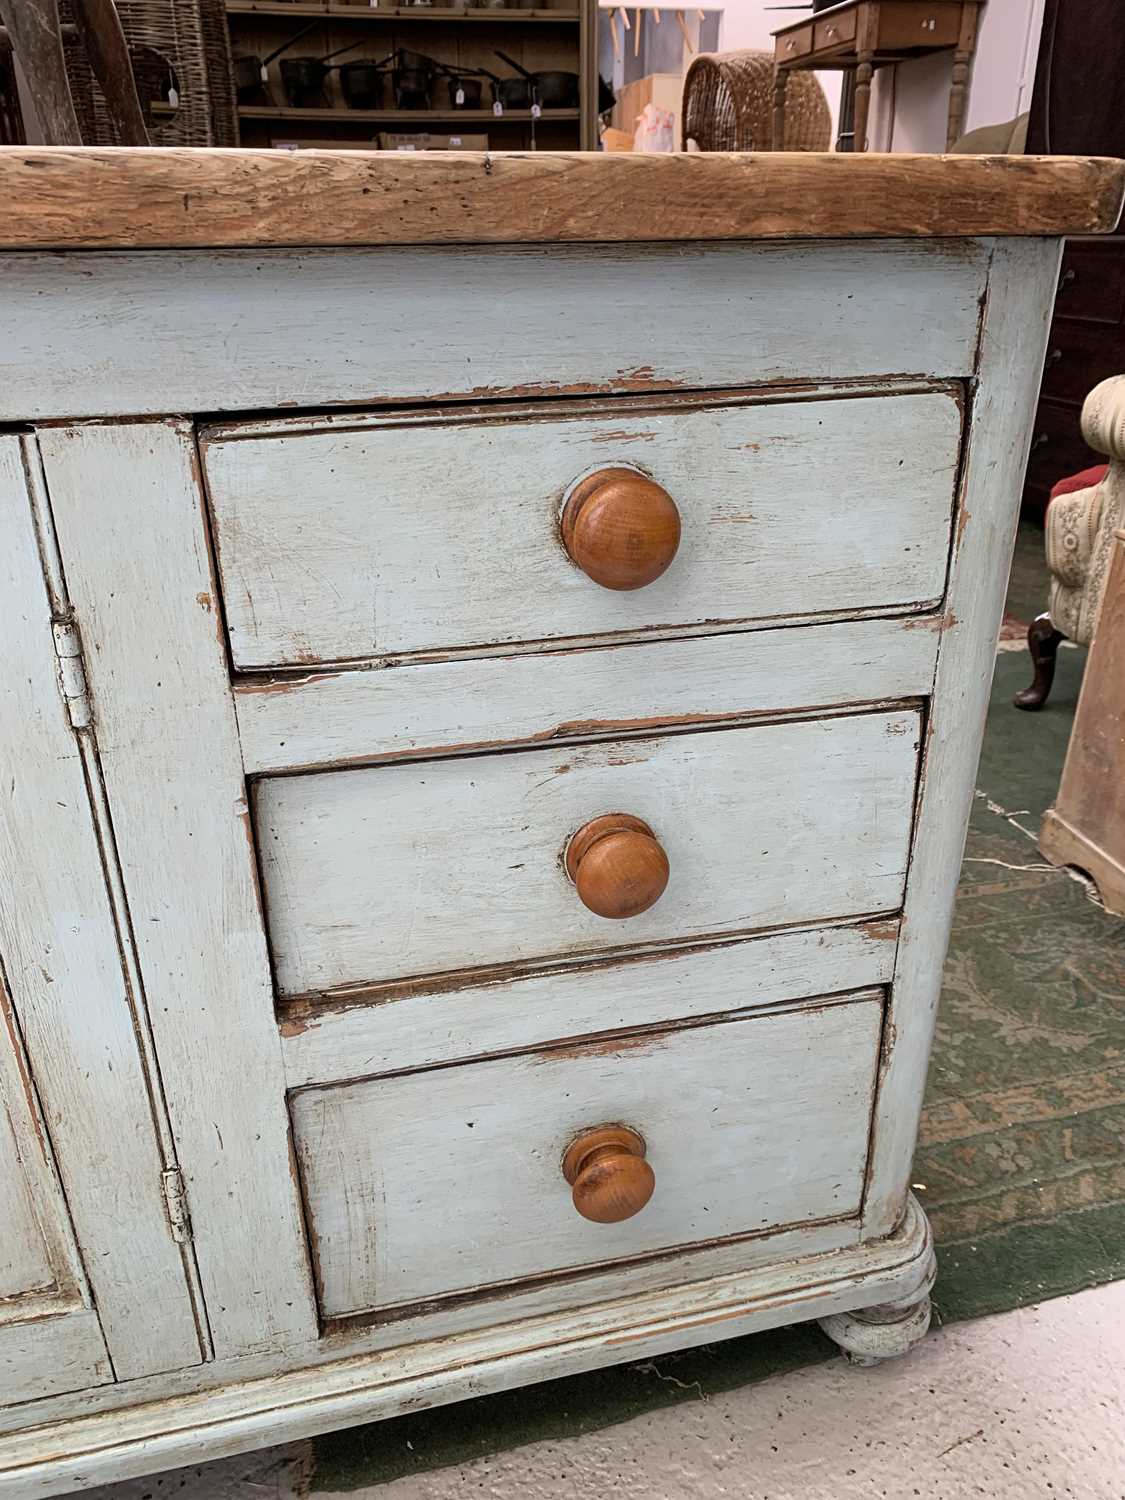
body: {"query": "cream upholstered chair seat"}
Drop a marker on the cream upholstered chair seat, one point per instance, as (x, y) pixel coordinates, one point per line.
(1079, 541)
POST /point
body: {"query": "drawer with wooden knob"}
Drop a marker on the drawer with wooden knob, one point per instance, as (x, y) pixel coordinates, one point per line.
(403, 870)
(352, 538)
(425, 1184)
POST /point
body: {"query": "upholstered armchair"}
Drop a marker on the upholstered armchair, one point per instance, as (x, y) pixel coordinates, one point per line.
(1080, 527)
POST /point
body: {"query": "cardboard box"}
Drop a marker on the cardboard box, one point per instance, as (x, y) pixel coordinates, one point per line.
(280, 143)
(425, 140)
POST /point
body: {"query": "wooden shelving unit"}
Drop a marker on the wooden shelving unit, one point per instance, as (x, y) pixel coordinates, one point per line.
(400, 13)
(404, 117)
(546, 37)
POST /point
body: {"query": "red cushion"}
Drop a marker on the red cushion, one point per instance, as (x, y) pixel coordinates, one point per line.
(1081, 481)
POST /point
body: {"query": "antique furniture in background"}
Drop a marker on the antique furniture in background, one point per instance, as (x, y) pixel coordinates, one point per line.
(180, 51)
(1086, 826)
(484, 806)
(1080, 526)
(556, 35)
(35, 33)
(859, 36)
(1077, 106)
(728, 106)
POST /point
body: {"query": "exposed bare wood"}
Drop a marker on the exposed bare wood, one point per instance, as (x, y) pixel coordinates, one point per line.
(34, 32)
(99, 198)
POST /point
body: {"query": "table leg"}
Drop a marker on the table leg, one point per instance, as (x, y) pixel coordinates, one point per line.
(863, 76)
(958, 90)
(780, 79)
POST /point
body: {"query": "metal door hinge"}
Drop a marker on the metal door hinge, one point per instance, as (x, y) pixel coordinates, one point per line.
(175, 1200)
(72, 673)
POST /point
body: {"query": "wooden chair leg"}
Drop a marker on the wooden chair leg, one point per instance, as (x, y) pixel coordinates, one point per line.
(1043, 642)
(33, 26)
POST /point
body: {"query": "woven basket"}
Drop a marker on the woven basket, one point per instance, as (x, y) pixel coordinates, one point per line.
(728, 105)
(184, 42)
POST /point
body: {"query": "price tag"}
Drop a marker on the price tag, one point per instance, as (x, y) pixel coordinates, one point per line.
(173, 98)
(459, 97)
(497, 108)
(535, 111)
(264, 75)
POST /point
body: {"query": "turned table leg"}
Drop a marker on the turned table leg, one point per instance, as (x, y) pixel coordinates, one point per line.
(780, 80)
(863, 75)
(1043, 642)
(958, 90)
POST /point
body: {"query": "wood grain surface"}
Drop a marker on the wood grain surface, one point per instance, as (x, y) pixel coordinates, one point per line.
(112, 198)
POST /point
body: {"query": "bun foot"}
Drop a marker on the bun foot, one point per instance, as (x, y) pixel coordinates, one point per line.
(870, 1335)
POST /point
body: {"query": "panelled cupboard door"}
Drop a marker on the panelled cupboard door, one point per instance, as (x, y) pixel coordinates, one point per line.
(83, 1219)
(50, 1337)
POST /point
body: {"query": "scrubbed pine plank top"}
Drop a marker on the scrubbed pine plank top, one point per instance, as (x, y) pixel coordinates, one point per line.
(63, 198)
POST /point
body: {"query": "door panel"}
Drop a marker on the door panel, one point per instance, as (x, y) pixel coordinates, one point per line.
(50, 1338)
(63, 971)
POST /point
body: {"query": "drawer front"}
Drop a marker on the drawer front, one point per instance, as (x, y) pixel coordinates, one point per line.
(1092, 282)
(420, 535)
(401, 870)
(1057, 446)
(793, 44)
(432, 1183)
(1079, 355)
(835, 32)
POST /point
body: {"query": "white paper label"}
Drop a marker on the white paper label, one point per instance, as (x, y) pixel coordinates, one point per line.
(535, 111)
(459, 97)
(497, 108)
(173, 98)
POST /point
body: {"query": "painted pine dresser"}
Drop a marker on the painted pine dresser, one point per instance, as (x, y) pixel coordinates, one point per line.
(495, 653)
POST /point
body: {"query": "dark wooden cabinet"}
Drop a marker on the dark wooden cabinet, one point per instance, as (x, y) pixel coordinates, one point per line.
(1077, 107)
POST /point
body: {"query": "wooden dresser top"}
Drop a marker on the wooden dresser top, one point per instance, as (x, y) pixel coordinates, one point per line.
(94, 198)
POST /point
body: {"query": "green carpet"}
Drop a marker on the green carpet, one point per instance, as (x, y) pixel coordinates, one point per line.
(1020, 1164)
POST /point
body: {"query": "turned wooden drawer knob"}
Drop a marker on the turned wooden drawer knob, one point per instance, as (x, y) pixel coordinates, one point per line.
(620, 528)
(617, 865)
(608, 1175)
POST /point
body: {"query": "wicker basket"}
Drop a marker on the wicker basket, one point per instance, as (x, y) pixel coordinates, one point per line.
(728, 105)
(183, 42)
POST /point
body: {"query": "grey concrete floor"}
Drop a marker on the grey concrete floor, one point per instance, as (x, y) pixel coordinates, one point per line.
(1026, 1404)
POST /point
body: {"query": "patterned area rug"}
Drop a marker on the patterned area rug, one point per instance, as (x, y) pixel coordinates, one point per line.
(1021, 1161)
